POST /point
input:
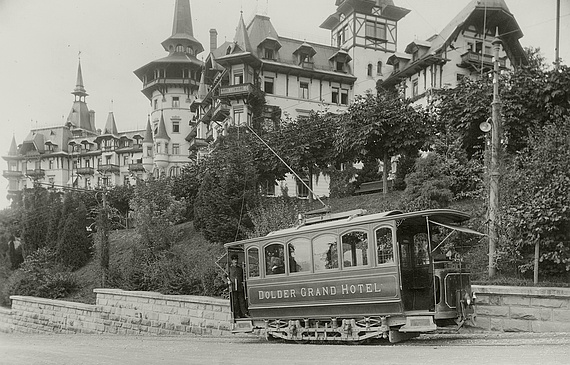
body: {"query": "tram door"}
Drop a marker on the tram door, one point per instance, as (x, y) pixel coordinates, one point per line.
(237, 284)
(416, 269)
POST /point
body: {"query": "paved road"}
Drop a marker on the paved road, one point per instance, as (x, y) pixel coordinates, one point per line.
(456, 349)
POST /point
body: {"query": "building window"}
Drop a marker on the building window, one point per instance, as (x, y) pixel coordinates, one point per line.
(341, 37)
(379, 68)
(185, 73)
(175, 149)
(268, 85)
(304, 90)
(238, 77)
(50, 163)
(126, 180)
(334, 95)
(268, 188)
(176, 127)
(369, 70)
(415, 55)
(339, 66)
(302, 190)
(269, 54)
(125, 160)
(344, 96)
(375, 30)
(415, 88)
(155, 104)
(174, 171)
(238, 115)
(108, 160)
(149, 151)
(175, 102)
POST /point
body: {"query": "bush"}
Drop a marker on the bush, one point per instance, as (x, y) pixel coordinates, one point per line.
(272, 215)
(181, 270)
(40, 276)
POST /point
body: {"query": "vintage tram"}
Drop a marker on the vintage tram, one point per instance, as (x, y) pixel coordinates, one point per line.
(354, 276)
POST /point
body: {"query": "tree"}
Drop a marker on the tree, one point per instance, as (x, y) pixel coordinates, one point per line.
(74, 247)
(155, 212)
(34, 220)
(229, 188)
(536, 203)
(380, 126)
(307, 144)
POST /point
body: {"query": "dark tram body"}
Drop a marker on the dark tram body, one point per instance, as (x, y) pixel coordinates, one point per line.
(352, 276)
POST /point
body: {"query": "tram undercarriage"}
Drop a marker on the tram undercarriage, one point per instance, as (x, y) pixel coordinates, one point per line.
(394, 329)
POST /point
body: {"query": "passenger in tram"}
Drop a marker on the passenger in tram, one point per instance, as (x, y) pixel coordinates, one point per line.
(275, 264)
(235, 283)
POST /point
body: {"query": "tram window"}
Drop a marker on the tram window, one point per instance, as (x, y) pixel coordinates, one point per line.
(253, 263)
(421, 250)
(299, 255)
(384, 245)
(355, 249)
(274, 259)
(325, 252)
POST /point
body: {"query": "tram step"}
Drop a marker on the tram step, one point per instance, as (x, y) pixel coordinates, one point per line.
(419, 324)
(242, 326)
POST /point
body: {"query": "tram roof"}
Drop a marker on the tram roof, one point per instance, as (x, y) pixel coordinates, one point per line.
(445, 216)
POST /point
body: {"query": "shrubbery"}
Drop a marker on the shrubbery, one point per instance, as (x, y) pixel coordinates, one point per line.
(40, 276)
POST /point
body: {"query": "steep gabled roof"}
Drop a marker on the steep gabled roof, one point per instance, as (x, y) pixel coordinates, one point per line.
(182, 30)
(148, 133)
(162, 134)
(110, 126)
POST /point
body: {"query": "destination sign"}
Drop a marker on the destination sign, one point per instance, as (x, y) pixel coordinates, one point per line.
(340, 289)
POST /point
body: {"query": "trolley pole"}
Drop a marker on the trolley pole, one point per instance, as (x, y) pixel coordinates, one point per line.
(557, 50)
(495, 152)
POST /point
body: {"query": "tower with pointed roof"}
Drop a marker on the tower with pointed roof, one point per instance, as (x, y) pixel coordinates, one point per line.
(171, 83)
(366, 32)
(80, 117)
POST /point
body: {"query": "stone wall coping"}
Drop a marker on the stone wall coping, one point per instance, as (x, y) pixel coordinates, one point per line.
(155, 295)
(55, 302)
(522, 290)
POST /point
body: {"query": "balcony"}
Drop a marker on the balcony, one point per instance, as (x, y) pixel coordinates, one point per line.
(136, 167)
(236, 90)
(198, 143)
(221, 111)
(12, 173)
(85, 170)
(106, 168)
(471, 59)
(36, 173)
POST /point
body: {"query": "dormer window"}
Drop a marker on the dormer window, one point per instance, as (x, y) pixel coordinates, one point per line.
(340, 60)
(339, 66)
(305, 54)
(269, 54)
(179, 48)
(415, 55)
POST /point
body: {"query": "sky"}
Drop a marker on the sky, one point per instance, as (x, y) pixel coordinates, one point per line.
(40, 42)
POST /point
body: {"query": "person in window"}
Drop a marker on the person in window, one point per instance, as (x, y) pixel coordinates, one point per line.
(237, 293)
(275, 263)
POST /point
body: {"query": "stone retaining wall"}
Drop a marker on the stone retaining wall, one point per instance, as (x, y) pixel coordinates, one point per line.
(118, 311)
(522, 309)
(499, 308)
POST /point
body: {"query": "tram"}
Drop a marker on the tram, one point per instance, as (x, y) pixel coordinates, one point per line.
(354, 276)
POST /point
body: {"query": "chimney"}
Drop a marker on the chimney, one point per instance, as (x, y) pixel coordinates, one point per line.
(213, 39)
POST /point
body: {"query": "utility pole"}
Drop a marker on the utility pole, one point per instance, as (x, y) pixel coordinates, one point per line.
(557, 49)
(495, 155)
(103, 233)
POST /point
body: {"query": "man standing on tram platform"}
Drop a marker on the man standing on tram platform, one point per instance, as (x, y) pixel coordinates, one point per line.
(235, 283)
